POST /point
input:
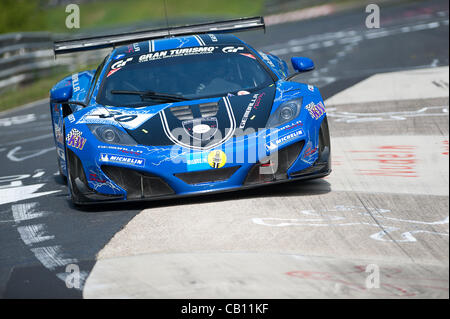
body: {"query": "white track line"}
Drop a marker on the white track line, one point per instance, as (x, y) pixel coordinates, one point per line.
(394, 86)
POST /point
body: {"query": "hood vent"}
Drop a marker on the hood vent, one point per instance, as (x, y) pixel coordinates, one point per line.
(182, 113)
(209, 109)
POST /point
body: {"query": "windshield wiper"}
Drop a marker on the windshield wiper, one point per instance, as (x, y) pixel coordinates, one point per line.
(153, 95)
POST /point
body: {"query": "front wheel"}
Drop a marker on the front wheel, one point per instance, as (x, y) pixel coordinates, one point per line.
(72, 165)
(324, 144)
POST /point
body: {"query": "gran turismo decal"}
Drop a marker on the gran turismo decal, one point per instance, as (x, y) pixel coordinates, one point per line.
(74, 139)
(232, 49)
(192, 51)
(120, 64)
(152, 56)
(174, 53)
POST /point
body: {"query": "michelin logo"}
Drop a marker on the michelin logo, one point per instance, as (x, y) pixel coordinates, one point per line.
(122, 159)
(274, 144)
(271, 146)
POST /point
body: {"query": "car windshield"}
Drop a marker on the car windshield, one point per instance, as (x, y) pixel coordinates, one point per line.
(181, 74)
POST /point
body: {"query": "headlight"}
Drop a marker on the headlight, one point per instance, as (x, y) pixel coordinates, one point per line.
(111, 135)
(286, 112)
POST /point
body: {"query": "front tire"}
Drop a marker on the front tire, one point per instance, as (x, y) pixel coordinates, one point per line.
(324, 144)
(71, 161)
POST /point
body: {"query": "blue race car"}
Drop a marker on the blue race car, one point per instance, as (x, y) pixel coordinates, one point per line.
(185, 111)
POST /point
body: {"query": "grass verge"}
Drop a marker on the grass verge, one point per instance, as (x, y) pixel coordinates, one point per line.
(38, 89)
(31, 15)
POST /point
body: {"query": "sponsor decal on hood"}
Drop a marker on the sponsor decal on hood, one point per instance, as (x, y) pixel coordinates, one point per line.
(204, 126)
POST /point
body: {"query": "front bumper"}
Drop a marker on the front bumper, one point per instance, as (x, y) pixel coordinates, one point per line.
(136, 184)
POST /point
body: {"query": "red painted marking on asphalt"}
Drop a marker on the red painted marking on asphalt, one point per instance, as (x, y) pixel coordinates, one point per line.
(337, 160)
(391, 160)
(391, 273)
(445, 147)
(430, 287)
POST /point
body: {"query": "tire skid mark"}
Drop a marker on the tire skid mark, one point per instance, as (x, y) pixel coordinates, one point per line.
(26, 211)
(51, 257)
(33, 234)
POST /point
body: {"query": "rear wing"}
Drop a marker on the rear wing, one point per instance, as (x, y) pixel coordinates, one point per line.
(100, 42)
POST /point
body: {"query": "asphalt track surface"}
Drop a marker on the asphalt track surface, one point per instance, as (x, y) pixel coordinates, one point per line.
(385, 205)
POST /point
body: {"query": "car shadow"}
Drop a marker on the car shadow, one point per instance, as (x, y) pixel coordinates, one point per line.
(294, 188)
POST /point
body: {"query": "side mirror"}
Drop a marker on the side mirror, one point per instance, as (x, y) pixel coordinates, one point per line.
(61, 94)
(301, 64)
